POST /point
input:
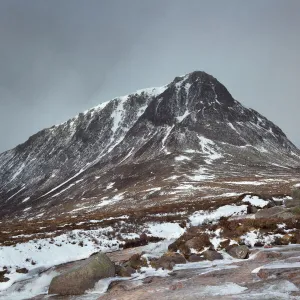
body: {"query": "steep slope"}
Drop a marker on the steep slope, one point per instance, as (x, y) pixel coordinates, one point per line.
(154, 146)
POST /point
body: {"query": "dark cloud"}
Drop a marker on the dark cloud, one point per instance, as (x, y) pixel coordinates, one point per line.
(60, 57)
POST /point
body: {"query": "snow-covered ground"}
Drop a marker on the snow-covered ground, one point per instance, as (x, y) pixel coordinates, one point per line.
(255, 201)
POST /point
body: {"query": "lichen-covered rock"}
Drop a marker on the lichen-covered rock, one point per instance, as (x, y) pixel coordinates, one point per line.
(236, 251)
(79, 279)
(199, 242)
(212, 255)
(136, 261)
(169, 260)
(193, 239)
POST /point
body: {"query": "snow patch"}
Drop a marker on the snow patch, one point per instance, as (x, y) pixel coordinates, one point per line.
(181, 158)
(165, 230)
(255, 201)
(208, 150)
(200, 217)
(111, 201)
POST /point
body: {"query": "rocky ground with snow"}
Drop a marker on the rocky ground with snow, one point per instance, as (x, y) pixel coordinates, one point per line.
(252, 240)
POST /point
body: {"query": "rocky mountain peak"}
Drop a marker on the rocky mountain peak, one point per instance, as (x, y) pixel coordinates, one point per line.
(189, 126)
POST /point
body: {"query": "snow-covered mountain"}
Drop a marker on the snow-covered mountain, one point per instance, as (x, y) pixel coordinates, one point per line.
(154, 146)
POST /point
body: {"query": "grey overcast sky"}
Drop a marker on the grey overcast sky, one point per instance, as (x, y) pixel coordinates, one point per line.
(61, 57)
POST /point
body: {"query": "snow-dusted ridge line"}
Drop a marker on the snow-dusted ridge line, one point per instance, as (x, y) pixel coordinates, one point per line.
(151, 92)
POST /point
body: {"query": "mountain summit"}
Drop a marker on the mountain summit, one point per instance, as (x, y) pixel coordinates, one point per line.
(152, 147)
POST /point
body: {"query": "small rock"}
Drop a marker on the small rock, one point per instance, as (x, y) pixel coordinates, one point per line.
(143, 237)
(212, 255)
(236, 251)
(169, 260)
(136, 261)
(195, 258)
(176, 286)
(283, 240)
(295, 237)
(224, 244)
(199, 242)
(22, 271)
(124, 271)
(2, 276)
(253, 209)
(148, 280)
(296, 193)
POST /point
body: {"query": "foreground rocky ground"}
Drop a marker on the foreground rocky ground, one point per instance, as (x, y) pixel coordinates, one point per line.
(269, 273)
(272, 273)
(246, 246)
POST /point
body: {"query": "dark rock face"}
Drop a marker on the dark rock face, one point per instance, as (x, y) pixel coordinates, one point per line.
(125, 141)
(76, 281)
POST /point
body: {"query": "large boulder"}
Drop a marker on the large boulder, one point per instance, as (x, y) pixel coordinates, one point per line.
(236, 251)
(81, 278)
(274, 212)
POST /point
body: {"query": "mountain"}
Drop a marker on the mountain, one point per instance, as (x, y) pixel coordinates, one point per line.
(184, 141)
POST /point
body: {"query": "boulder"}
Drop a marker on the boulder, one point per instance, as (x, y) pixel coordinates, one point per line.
(2, 276)
(296, 192)
(199, 242)
(81, 278)
(212, 255)
(136, 261)
(195, 258)
(169, 260)
(291, 203)
(22, 271)
(236, 251)
(253, 209)
(280, 273)
(274, 212)
(283, 240)
(224, 244)
(267, 255)
(124, 271)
